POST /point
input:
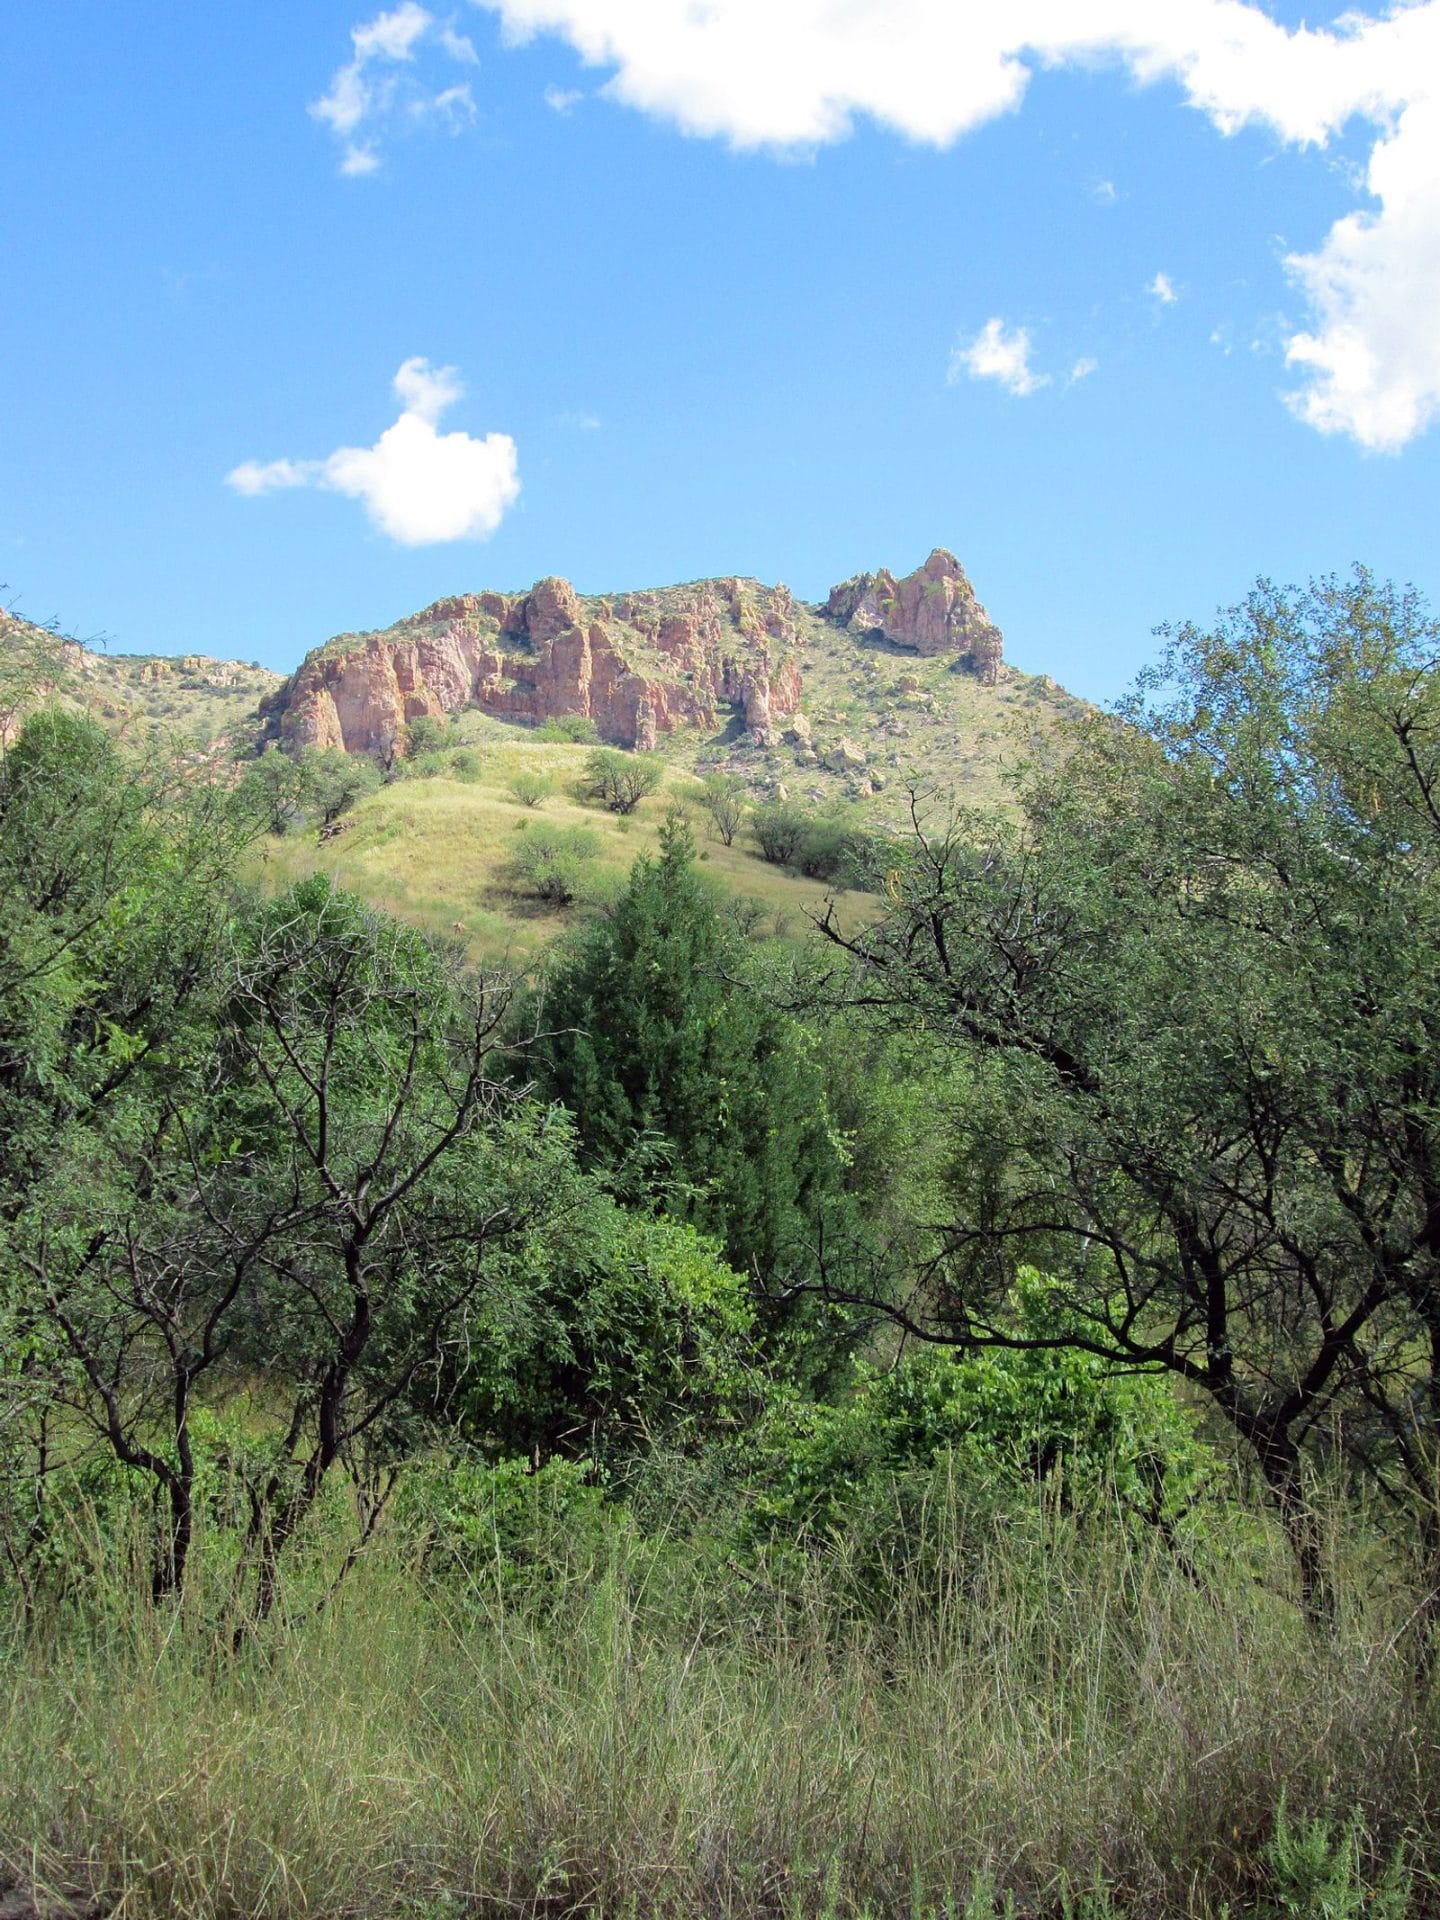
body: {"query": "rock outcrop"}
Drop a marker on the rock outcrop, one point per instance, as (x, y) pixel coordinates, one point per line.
(934, 610)
(637, 665)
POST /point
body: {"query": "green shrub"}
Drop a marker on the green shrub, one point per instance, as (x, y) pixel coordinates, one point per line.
(428, 734)
(620, 780)
(531, 789)
(554, 863)
(573, 729)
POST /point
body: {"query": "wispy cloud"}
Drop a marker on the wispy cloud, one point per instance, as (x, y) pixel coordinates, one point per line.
(1082, 369)
(381, 84)
(417, 485)
(1162, 290)
(802, 74)
(562, 99)
(1001, 354)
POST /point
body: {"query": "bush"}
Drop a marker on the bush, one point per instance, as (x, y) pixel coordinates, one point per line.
(531, 789)
(332, 781)
(724, 801)
(428, 734)
(822, 846)
(1001, 1419)
(571, 729)
(619, 780)
(554, 863)
(619, 1330)
(779, 828)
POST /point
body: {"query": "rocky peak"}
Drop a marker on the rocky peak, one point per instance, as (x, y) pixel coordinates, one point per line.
(934, 610)
(552, 607)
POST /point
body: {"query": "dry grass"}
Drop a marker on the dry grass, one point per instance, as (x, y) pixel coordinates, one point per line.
(1075, 1711)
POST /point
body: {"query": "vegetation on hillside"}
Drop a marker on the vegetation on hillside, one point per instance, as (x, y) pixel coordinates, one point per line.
(935, 1421)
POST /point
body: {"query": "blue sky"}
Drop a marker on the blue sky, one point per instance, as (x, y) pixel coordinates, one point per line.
(781, 287)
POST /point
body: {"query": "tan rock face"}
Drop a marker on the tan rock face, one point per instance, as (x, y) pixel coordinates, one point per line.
(637, 665)
(934, 610)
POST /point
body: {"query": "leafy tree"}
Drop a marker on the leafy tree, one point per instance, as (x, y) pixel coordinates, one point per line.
(427, 733)
(115, 882)
(554, 863)
(332, 781)
(779, 827)
(611, 1331)
(274, 785)
(620, 781)
(378, 1166)
(531, 789)
(1198, 992)
(655, 1043)
(725, 804)
(574, 729)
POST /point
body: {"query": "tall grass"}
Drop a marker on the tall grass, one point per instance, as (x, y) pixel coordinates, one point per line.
(631, 1736)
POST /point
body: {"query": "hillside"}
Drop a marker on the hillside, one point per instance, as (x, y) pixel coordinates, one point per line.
(890, 677)
(435, 849)
(212, 705)
(842, 704)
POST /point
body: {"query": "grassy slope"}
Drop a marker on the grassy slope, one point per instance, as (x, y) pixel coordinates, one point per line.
(432, 850)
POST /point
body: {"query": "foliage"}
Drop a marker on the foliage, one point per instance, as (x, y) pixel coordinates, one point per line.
(616, 1330)
(332, 781)
(620, 780)
(531, 789)
(724, 802)
(1318, 1873)
(32, 670)
(428, 733)
(682, 1076)
(779, 827)
(291, 790)
(1199, 993)
(554, 863)
(1028, 1414)
(574, 729)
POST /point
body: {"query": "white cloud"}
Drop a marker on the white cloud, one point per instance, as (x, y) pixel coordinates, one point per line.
(1082, 369)
(417, 485)
(999, 354)
(798, 73)
(379, 83)
(580, 422)
(562, 99)
(1104, 193)
(1162, 290)
(1373, 356)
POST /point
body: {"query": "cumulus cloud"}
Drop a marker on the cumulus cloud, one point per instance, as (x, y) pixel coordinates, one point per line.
(380, 83)
(799, 73)
(1001, 354)
(417, 485)
(1162, 290)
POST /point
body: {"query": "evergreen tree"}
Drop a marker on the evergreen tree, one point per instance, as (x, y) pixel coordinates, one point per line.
(665, 1055)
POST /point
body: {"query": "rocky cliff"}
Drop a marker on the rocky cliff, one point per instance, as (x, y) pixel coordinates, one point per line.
(934, 610)
(636, 665)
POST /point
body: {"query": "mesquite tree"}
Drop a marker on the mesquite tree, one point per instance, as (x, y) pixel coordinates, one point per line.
(1198, 991)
